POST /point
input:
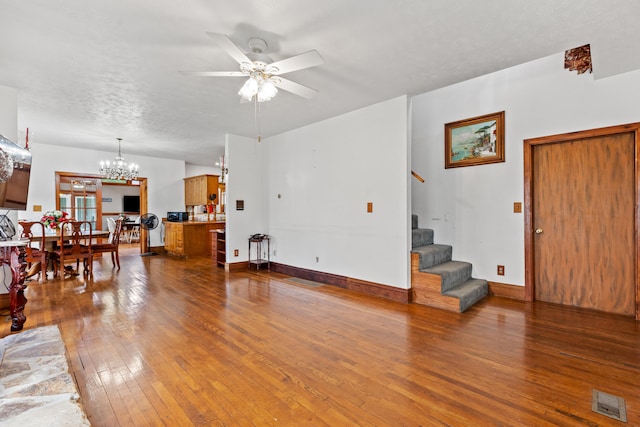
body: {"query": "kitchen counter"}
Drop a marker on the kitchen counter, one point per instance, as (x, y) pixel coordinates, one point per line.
(189, 238)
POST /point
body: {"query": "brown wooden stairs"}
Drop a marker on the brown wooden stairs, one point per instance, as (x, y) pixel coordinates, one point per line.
(436, 280)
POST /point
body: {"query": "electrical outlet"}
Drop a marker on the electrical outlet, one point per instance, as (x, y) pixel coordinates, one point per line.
(317, 259)
(517, 207)
(501, 270)
(236, 252)
(370, 207)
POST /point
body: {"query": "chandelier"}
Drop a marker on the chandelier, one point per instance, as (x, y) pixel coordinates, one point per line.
(118, 168)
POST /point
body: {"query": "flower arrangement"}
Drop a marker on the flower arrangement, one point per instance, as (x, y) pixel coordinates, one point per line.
(52, 219)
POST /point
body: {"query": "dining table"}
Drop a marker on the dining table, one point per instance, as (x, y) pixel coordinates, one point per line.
(130, 229)
(52, 239)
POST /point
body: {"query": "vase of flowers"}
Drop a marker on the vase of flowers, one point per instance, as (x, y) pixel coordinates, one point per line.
(52, 220)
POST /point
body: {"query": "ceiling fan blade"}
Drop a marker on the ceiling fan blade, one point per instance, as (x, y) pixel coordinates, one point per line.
(298, 62)
(230, 47)
(214, 73)
(295, 88)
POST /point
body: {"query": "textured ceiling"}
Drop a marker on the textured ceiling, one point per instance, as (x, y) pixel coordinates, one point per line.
(89, 71)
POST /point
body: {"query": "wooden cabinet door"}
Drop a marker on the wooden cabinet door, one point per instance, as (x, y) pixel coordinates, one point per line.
(172, 238)
(191, 191)
(198, 188)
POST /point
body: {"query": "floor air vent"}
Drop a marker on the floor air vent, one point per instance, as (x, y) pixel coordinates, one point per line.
(609, 405)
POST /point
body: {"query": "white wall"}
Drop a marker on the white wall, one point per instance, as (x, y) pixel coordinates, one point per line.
(320, 178)
(195, 170)
(115, 193)
(245, 181)
(471, 208)
(9, 114)
(112, 201)
(165, 179)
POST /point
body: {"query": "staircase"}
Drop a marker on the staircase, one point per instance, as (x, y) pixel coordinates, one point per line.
(436, 280)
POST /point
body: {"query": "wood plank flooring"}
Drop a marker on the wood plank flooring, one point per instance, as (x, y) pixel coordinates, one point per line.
(171, 342)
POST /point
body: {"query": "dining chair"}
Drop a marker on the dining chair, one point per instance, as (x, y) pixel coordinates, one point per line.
(71, 246)
(133, 232)
(35, 251)
(111, 246)
(111, 226)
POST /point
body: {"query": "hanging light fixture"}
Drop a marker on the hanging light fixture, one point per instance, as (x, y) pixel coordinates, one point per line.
(223, 168)
(259, 85)
(118, 168)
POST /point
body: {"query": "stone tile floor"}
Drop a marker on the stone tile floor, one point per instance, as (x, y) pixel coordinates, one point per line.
(36, 388)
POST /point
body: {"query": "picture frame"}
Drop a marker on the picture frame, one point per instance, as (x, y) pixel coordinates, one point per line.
(475, 141)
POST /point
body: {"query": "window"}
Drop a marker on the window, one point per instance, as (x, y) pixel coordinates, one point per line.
(80, 197)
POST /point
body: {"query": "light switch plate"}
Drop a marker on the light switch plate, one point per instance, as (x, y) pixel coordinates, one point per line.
(517, 207)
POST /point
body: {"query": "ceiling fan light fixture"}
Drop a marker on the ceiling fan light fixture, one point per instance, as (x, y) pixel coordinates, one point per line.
(260, 86)
(267, 90)
(249, 89)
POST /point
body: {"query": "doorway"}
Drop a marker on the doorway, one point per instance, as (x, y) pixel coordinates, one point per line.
(86, 201)
(581, 216)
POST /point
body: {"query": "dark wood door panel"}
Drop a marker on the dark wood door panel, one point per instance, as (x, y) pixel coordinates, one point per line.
(583, 207)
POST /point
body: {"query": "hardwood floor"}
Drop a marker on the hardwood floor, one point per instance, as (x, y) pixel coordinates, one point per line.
(171, 342)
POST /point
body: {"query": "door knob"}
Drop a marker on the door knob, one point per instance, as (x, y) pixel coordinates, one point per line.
(538, 230)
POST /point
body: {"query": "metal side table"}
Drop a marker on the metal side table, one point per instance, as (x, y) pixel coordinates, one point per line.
(256, 243)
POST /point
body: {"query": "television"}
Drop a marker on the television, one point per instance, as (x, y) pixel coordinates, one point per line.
(15, 171)
(131, 204)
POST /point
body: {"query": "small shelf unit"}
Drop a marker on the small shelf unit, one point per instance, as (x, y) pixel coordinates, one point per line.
(256, 248)
(218, 247)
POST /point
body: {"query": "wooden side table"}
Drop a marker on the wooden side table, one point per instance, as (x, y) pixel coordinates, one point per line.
(12, 254)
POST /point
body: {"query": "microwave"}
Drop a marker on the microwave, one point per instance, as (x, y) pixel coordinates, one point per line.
(177, 216)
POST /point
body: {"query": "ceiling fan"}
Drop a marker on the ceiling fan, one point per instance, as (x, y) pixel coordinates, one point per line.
(264, 75)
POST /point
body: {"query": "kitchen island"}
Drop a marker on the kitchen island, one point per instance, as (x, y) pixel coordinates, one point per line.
(189, 238)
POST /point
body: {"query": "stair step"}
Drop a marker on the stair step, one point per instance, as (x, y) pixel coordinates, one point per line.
(433, 254)
(452, 273)
(436, 280)
(469, 292)
(421, 237)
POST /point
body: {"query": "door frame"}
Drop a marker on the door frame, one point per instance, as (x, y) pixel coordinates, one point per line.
(143, 199)
(529, 145)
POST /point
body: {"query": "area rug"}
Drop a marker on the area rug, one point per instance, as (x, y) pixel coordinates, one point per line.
(36, 388)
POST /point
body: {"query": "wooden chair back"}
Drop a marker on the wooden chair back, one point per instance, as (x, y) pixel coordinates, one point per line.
(75, 244)
(115, 238)
(112, 246)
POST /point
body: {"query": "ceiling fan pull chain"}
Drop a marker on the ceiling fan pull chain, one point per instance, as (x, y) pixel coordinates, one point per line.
(257, 117)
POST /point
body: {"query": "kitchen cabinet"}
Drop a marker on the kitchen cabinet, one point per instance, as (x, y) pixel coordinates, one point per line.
(189, 238)
(198, 189)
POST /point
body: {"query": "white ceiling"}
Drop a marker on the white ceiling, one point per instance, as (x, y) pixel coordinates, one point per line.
(89, 71)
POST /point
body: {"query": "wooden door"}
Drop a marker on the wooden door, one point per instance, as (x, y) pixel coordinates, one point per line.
(80, 196)
(582, 229)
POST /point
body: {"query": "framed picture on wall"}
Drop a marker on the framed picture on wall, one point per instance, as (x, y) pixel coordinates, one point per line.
(475, 141)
